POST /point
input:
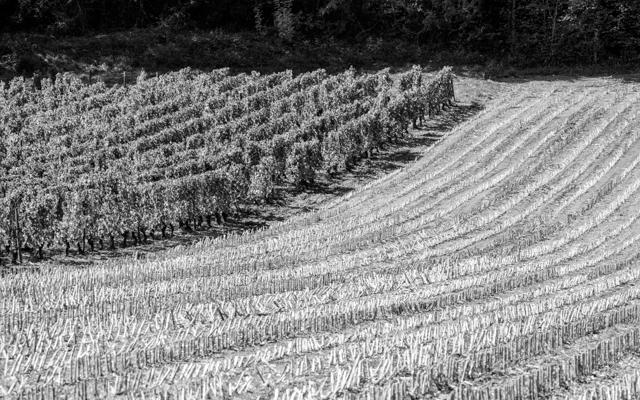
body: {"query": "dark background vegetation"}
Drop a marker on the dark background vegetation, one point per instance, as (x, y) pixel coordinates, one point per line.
(158, 35)
(540, 31)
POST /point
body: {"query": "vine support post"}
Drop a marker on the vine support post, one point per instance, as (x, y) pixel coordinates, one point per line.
(18, 234)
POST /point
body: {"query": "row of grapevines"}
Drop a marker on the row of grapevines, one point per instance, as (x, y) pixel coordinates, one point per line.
(104, 163)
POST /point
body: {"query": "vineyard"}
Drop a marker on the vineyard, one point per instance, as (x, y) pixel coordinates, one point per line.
(503, 264)
(89, 165)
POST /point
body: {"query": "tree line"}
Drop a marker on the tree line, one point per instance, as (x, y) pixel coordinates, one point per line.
(528, 32)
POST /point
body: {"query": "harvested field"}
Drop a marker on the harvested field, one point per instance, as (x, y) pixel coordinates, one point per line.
(502, 264)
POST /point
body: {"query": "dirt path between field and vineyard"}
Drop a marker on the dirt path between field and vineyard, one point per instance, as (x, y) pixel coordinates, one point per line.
(471, 96)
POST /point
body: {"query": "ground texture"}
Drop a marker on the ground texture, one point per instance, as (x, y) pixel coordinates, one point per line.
(502, 264)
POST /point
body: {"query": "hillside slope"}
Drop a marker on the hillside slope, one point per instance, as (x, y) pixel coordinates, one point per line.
(502, 264)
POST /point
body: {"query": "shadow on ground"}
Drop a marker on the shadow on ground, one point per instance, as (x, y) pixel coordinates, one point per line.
(393, 157)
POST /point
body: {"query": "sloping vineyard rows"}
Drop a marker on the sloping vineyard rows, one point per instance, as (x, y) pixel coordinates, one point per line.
(85, 164)
(502, 265)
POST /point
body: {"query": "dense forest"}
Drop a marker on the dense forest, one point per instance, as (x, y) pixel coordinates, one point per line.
(522, 32)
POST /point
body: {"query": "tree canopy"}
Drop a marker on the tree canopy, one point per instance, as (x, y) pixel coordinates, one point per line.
(533, 31)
